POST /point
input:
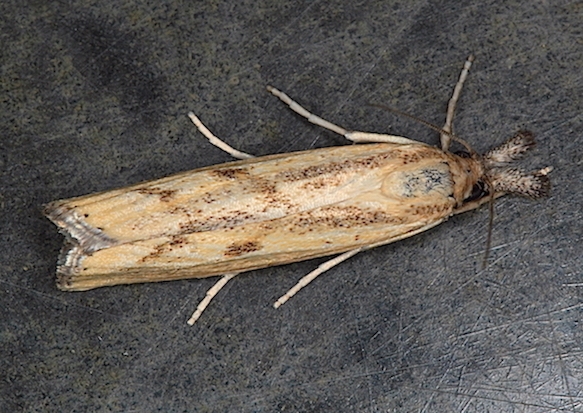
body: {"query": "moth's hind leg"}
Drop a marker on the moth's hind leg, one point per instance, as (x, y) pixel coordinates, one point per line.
(354, 136)
(448, 127)
(216, 141)
(210, 294)
(296, 107)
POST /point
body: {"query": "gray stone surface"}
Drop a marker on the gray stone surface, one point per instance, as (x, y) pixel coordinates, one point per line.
(95, 96)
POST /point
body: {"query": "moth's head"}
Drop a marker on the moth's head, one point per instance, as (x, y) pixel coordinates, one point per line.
(500, 176)
(495, 173)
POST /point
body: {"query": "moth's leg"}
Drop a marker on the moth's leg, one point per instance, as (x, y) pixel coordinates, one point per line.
(214, 290)
(311, 276)
(364, 137)
(296, 107)
(216, 141)
(448, 127)
(357, 137)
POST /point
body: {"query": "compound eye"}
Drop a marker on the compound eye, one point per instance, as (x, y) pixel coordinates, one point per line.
(478, 191)
(462, 154)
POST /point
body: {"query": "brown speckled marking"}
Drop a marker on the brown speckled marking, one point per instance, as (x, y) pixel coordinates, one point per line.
(208, 198)
(176, 241)
(417, 155)
(210, 223)
(231, 173)
(279, 201)
(236, 249)
(266, 226)
(430, 209)
(263, 186)
(165, 194)
(335, 167)
(343, 217)
(321, 183)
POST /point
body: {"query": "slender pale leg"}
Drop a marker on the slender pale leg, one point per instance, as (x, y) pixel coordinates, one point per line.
(210, 294)
(216, 141)
(354, 136)
(448, 127)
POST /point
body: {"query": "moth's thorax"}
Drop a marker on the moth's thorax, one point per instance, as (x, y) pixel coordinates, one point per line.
(466, 173)
(423, 179)
(430, 175)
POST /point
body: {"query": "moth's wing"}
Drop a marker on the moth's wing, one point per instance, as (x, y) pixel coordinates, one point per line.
(369, 219)
(253, 214)
(223, 196)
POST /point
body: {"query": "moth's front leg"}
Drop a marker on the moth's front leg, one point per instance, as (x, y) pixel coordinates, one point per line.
(448, 127)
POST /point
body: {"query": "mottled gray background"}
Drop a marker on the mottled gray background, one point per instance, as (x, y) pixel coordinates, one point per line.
(95, 96)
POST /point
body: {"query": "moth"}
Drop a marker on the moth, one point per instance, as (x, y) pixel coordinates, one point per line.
(271, 210)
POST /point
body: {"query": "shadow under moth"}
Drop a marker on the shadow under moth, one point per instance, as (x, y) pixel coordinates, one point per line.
(271, 210)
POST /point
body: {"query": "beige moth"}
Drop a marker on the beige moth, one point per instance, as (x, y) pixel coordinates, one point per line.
(271, 210)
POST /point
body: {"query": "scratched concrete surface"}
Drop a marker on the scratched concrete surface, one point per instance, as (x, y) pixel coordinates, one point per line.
(95, 96)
